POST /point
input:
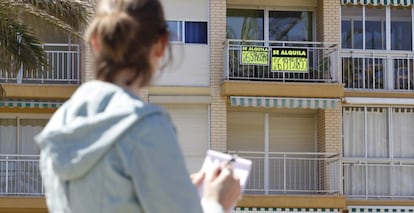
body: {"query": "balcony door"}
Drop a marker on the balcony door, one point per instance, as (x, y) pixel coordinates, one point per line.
(16, 135)
(264, 27)
(269, 25)
(377, 43)
(378, 152)
(19, 161)
(279, 143)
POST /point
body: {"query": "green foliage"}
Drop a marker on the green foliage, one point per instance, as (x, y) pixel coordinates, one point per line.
(19, 46)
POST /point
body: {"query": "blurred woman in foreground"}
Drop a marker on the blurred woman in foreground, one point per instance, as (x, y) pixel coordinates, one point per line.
(106, 150)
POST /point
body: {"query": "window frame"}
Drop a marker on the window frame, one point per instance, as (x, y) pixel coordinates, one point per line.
(182, 36)
(388, 36)
(266, 13)
(389, 125)
(19, 117)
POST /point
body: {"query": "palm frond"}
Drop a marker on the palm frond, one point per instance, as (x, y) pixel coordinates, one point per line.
(67, 15)
(75, 13)
(18, 46)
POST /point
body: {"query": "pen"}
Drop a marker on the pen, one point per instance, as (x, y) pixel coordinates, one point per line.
(233, 159)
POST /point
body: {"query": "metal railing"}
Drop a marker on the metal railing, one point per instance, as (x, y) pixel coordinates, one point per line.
(272, 173)
(378, 178)
(64, 65)
(377, 70)
(20, 175)
(322, 62)
(293, 173)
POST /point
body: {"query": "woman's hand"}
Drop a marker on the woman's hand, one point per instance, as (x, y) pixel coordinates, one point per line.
(198, 178)
(222, 186)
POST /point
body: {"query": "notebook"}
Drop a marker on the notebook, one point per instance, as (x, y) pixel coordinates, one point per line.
(241, 166)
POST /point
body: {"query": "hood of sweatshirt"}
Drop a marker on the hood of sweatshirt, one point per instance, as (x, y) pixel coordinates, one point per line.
(85, 127)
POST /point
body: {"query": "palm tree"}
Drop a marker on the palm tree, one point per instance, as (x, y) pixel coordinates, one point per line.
(19, 46)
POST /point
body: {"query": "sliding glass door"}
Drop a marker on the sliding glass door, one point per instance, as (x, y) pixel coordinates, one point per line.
(250, 24)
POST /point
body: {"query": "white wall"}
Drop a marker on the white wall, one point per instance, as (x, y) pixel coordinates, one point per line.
(195, 10)
(189, 67)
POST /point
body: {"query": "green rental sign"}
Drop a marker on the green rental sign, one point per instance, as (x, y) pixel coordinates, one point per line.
(290, 60)
(255, 55)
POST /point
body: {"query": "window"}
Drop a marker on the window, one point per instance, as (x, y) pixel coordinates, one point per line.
(290, 26)
(377, 138)
(375, 28)
(176, 31)
(188, 32)
(19, 156)
(248, 24)
(196, 32)
(369, 138)
(245, 24)
(16, 135)
(365, 28)
(401, 29)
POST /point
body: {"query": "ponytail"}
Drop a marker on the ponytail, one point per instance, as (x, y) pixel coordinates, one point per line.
(124, 36)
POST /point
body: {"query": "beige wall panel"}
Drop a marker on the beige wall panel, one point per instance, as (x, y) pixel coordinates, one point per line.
(292, 132)
(191, 122)
(190, 10)
(288, 131)
(245, 131)
(272, 3)
(188, 68)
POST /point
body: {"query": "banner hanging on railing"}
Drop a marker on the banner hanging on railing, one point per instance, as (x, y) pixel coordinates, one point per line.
(255, 55)
(290, 59)
(283, 59)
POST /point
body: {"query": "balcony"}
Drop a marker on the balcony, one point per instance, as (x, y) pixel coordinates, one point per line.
(378, 70)
(20, 176)
(276, 173)
(356, 70)
(64, 62)
(319, 65)
(378, 178)
(272, 173)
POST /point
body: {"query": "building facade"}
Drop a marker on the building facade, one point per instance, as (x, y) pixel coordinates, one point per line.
(317, 93)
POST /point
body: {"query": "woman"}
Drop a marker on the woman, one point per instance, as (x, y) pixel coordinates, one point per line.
(105, 150)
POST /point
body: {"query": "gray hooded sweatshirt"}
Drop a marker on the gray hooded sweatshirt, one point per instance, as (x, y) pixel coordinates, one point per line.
(105, 150)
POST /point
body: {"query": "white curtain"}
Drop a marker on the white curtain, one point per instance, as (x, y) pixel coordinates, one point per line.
(378, 180)
(8, 136)
(354, 180)
(403, 133)
(16, 137)
(354, 146)
(28, 128)
(377, 132)
(403, 148)
(389, 178)
(353, 127)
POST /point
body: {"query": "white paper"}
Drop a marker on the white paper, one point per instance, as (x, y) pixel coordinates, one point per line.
(241, 166)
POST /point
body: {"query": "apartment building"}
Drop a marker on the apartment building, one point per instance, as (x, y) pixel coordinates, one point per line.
(317, 93)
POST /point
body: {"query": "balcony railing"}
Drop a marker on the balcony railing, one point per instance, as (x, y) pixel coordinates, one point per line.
(64, 65)
(20, 175)
(377, 70)
(293, 173)
(321, 62)
(272, 173)
(378, 179)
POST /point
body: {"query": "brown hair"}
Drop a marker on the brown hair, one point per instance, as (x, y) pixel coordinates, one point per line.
(125, 31)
